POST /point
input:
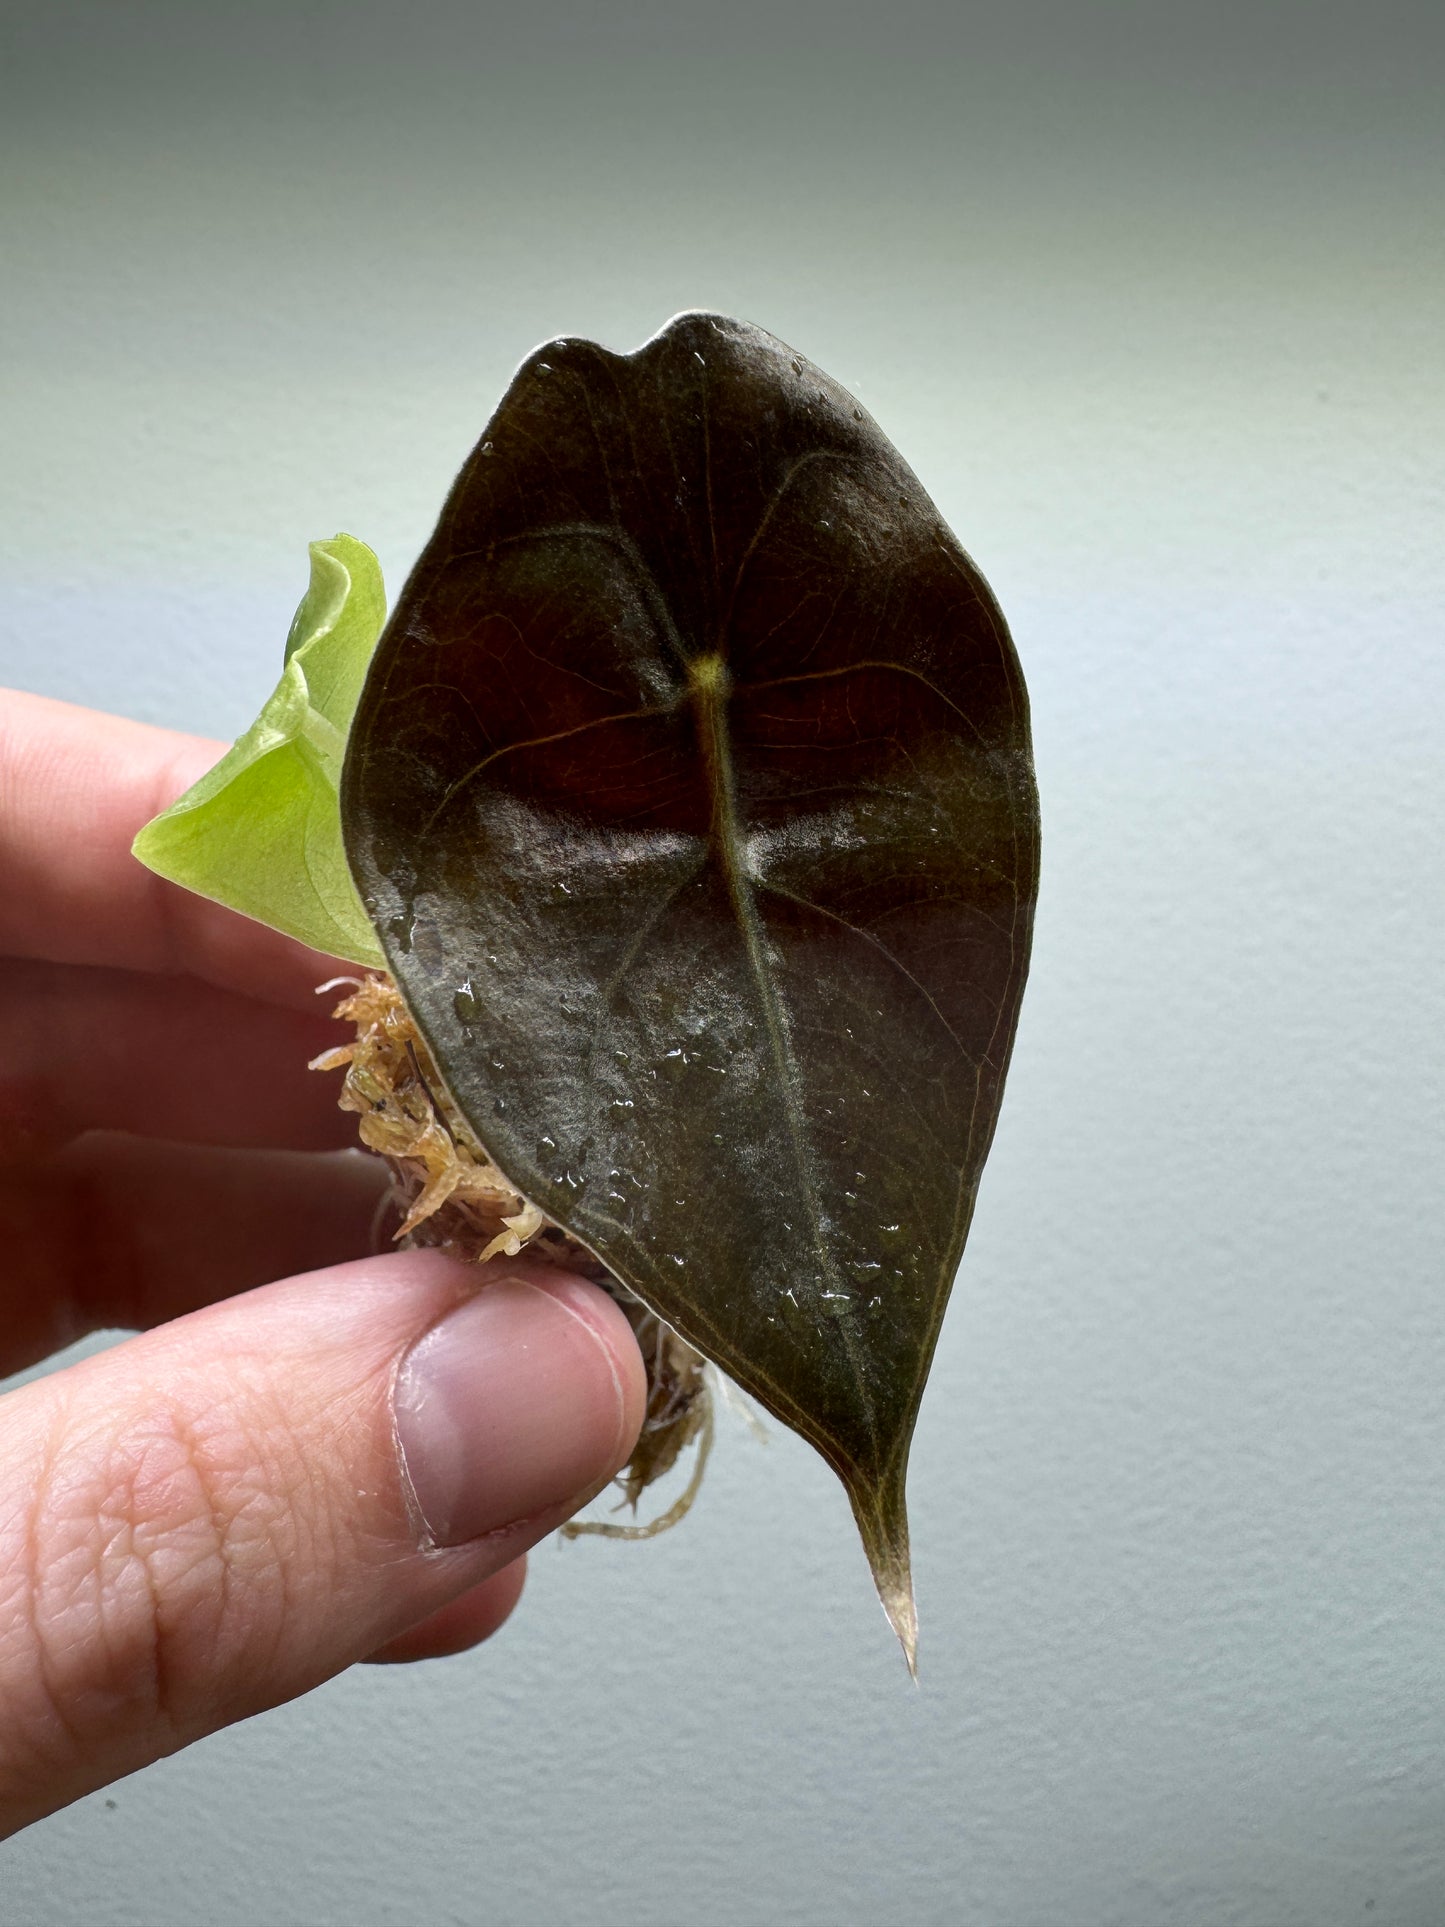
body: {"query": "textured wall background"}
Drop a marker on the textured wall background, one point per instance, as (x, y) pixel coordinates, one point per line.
(1151, 297)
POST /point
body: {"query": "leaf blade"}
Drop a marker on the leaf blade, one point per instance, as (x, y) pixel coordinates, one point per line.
(692, 788)
(261, 831)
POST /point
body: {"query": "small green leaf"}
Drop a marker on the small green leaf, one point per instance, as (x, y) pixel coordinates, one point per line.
(261, 832)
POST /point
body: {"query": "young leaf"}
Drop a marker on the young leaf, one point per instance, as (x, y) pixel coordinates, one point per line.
(691, 793)
(261, 832)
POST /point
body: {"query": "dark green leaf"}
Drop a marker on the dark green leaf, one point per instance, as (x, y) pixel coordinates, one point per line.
(691, 793)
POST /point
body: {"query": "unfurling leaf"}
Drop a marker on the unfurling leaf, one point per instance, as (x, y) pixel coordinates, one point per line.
(261, 832)
(691, 794)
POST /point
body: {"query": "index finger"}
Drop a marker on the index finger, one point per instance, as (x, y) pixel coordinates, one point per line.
(75, 787)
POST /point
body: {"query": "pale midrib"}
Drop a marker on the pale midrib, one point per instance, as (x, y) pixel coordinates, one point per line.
(711, 697)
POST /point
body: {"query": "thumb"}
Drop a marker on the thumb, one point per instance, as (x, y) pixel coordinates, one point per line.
(214, 1517)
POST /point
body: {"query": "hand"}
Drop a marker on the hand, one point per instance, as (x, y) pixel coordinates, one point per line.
(276, 1479)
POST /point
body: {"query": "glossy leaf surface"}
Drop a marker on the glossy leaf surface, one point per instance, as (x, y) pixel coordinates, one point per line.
(691, 793)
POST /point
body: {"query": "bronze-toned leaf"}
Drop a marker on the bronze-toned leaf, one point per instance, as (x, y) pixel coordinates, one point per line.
(691, 794)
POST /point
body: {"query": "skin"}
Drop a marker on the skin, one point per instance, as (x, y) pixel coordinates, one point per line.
(215, 1515)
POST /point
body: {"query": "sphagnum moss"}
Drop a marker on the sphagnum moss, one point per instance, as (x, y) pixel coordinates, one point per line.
(449, 1194)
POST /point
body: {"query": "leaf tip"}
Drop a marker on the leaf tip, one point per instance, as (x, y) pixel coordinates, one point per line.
(895, 1590)
(882, 1513)
(150, 845)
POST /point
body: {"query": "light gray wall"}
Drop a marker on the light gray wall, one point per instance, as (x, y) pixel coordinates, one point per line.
(1150, 296)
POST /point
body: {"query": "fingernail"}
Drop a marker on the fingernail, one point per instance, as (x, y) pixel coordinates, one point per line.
(511, 1406)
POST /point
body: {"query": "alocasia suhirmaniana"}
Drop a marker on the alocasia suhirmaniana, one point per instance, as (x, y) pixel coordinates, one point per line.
(688, 799)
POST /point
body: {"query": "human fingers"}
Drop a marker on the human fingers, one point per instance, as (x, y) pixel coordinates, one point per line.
(465, 1623)
(87, 1049)
(124, 1232)
(75, 787)
(154, 1230)
(215, 1517)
